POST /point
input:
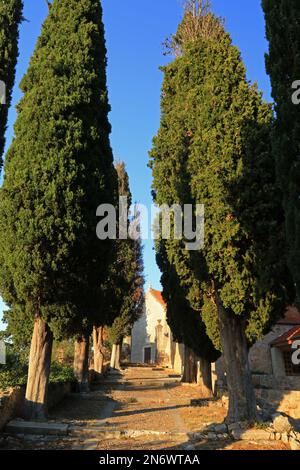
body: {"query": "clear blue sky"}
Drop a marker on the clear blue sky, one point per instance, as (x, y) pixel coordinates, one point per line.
(135, 31)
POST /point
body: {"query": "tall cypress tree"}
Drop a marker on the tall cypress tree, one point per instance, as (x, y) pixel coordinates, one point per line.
(10, 19)
(58, 169)
(128, 286)
(283, 66)
(186, 324)
(213, 148)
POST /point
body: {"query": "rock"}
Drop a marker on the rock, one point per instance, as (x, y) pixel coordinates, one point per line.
(281, 424)
(237, 426)
(220, 428)
(210, 427)
(295, 444)
(223, 437)
(251, 435)
(196, 436)
(211, 436)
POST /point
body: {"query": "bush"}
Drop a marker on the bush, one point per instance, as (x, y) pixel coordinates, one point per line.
(14, 373)
(61, 373)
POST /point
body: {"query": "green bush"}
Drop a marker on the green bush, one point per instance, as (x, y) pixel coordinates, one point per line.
(14, 373)
(61, 373)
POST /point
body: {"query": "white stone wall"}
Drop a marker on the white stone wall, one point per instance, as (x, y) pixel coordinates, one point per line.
(144, 330)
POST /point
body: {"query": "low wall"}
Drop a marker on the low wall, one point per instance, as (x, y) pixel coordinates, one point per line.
(283, 394)
(283, 401)
(11, 401)
(276, 383)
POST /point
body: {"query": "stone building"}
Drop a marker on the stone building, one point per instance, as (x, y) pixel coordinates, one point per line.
(273, 354)
(151, 337)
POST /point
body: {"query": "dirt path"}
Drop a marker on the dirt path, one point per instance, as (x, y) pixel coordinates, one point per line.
(142, 408)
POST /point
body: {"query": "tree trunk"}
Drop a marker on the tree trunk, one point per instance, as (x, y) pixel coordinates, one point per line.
(115, 360)
(81, 363)
(204, 379)
(35, 406)
(113, 356)
(190, 366)
(242, 402)
(98, 352)
(118, 354)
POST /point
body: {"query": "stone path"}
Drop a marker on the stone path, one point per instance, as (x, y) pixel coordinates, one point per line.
(135, 409)
(142, 408)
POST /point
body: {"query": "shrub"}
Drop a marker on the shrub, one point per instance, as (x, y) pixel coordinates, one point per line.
(14, 373)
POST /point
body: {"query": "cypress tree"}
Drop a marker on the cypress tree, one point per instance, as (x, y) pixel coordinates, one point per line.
(213, 148)
(128, 287)
(186, 325)
(10, 19)
(283, 66)
(58, 170)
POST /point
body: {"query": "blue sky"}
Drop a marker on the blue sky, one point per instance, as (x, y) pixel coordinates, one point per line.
(135, 31)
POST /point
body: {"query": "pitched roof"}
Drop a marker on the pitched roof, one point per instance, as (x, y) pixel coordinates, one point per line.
(291, 317)
(287, 338)
(158, 296)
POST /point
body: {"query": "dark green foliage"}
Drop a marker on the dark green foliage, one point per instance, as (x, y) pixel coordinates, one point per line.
(127, 288)
(10, 18)
(59, 168)
(14, 372)
(17, 332)
(61, 373)
(283, 66)
(213, 148)
(186, 323)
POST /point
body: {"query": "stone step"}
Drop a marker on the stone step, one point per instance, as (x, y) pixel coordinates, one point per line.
(106, 433)
(165, 382)
(37, 428)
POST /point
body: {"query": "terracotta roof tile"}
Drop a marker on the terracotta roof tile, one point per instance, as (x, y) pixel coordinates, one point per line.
(158, 296)
(287, 338)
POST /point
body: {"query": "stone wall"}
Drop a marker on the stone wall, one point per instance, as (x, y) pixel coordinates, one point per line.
(282, 394)
(286, 402)
(11, 401)
(260, 354)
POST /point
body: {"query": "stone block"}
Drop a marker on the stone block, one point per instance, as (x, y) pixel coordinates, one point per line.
(220, 428)
(37, 428)
(251, 435)
(281, 424)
